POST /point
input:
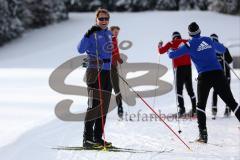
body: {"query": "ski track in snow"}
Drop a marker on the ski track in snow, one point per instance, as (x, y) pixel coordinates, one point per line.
(29, 129)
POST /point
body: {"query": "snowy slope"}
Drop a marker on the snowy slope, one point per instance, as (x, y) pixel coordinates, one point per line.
(29, 128)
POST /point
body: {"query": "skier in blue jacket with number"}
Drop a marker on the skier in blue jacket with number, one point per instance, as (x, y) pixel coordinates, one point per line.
(97, 43)
(202, 51)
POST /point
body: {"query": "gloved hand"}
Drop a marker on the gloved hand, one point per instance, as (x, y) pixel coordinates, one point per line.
(85, 63)
(119, 104)
(160, 44)
(92, 30)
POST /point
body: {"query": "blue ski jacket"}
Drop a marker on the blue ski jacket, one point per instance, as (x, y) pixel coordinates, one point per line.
(203, 52)
(100, 48)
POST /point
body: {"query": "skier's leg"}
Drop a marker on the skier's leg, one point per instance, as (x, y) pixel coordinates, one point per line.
(214, 103)
(223, 89)
(179, 85)
(115, 79)
(92, 84)
(115, 84)
(189, 87)
(203, 88)
(227, 111)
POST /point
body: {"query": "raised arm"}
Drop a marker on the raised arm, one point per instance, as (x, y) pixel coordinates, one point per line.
(83, 45)
(85, 42)
(179, 52)
(164, 48)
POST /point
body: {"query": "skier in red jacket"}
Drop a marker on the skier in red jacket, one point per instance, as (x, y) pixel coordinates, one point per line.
(114, 70)
(182, 72)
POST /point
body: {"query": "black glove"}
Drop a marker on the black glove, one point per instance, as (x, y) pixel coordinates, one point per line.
(160, 44)
(92, 30)
(85, 63)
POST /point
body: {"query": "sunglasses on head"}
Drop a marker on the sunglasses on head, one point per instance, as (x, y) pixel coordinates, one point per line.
(103, 18)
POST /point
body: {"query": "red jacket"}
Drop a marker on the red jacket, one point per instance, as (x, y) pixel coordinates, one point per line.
(115, 54)
(174, 44)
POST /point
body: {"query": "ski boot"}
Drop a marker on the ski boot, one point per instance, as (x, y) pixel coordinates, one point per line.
(203, 137)
(192, 113)
(181, 112)
(100, 141)
(120, 112)
(214, 112)
(90, 144)
(227, 112)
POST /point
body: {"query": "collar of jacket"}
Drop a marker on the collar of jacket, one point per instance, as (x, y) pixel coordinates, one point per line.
(196, 36)
(105, 29)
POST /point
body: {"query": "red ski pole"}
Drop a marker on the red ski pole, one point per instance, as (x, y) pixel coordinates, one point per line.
(155, 112)
(100, 91)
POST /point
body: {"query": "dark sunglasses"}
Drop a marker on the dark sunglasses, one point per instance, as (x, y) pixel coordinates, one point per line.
(103, 18)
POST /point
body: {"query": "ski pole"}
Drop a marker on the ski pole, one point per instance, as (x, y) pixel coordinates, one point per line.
(100, 90)
(177, 103)
(155, 112)
(224, 65)
(156, 84)
(231, 69)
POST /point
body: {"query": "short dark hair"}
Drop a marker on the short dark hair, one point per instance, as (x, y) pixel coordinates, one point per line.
(102, 10)
(114, 27)
(176, 34)
(214, 37)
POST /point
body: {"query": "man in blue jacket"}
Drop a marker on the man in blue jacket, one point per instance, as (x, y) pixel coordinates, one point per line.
(222, 59)
(97, 43)
(202, 51)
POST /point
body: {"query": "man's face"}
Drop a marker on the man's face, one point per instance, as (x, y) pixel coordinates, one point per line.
(102, 20)
(115, 32)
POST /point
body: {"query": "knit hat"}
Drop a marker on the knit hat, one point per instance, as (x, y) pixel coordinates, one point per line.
(214, 36)
(176, 34)
(193, 29)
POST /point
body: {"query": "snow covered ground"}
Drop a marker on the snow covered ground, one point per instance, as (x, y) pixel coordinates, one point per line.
(29, 127)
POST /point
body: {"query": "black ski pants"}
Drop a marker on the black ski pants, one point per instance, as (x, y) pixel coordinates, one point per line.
(115, 84)
(93, 125)
(184, 77)
(218, 81)
(215, 95)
